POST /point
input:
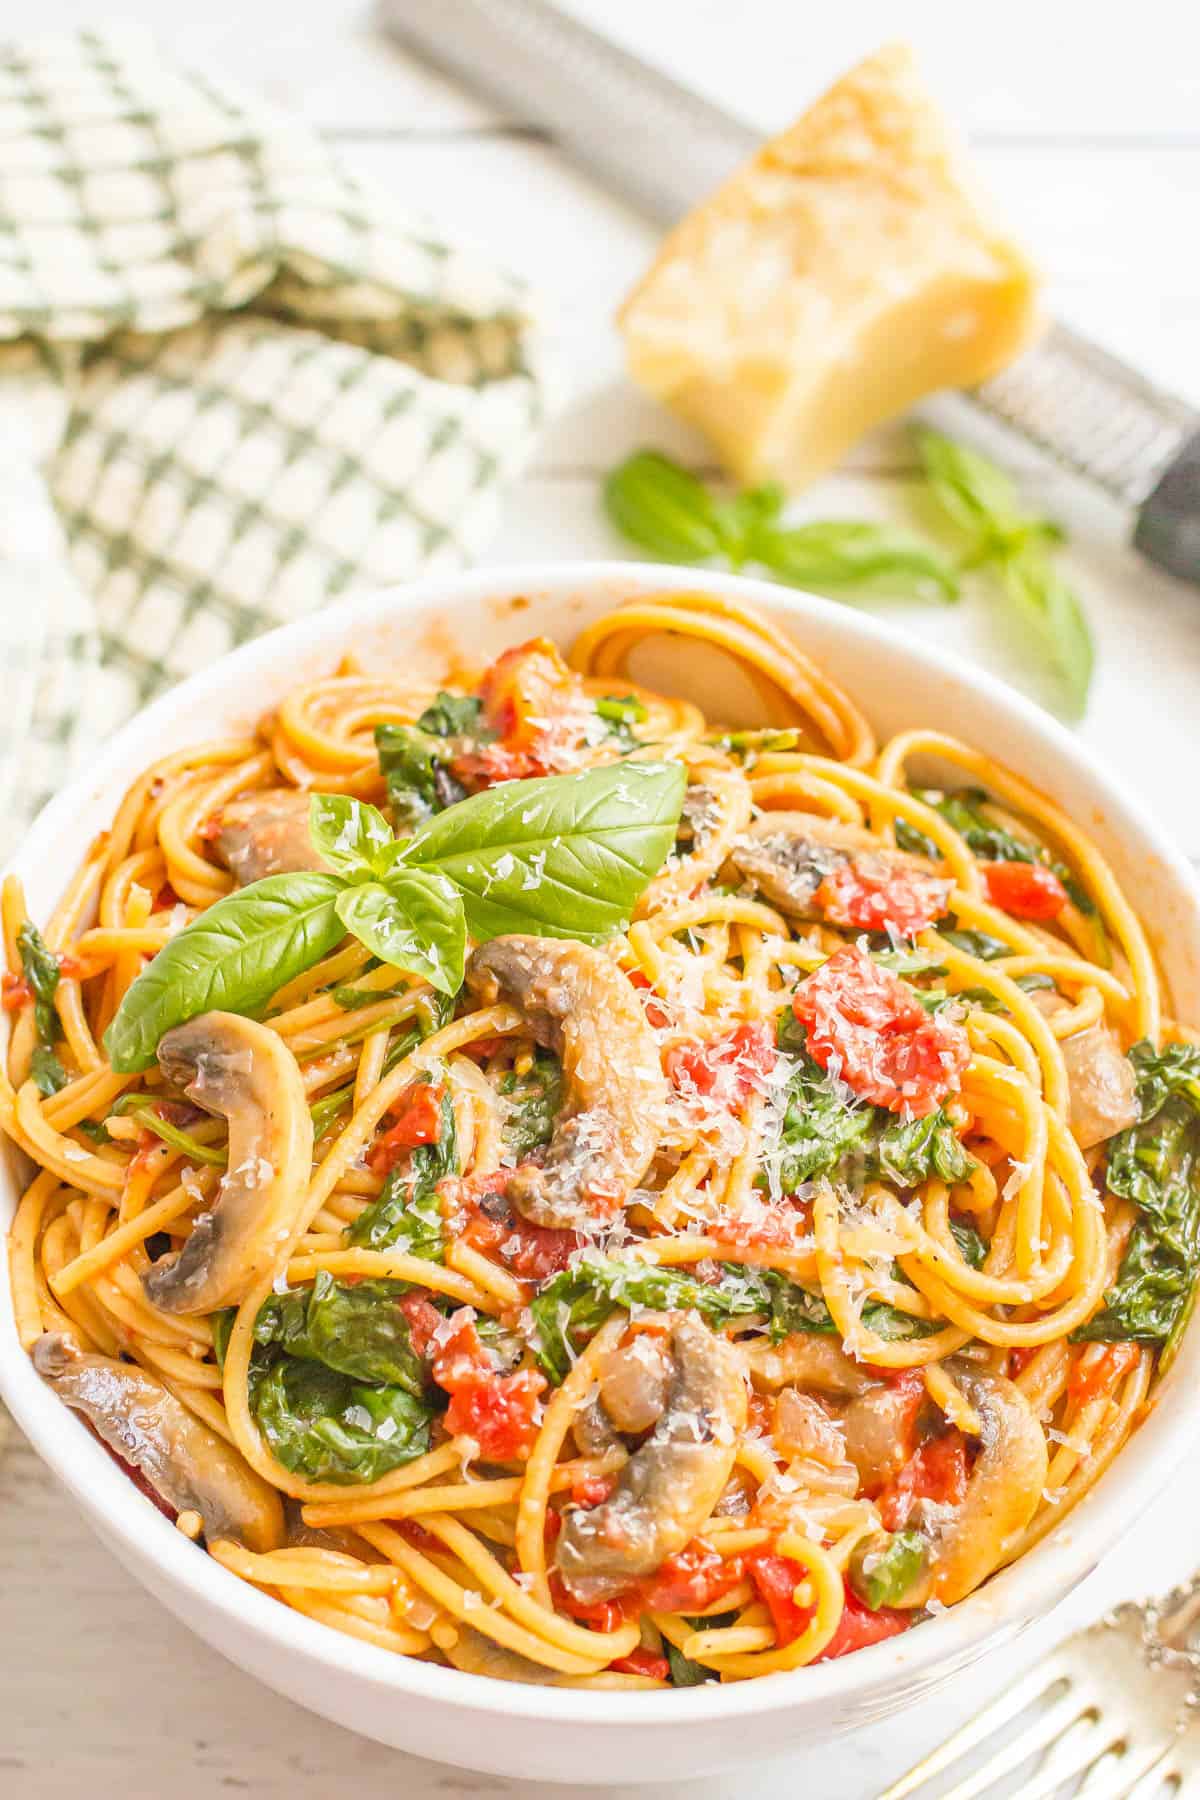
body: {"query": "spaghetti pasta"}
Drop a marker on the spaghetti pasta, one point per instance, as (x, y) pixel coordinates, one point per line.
(693, 1299)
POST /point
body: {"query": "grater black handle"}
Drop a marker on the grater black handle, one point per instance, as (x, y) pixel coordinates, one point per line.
(1168, 520)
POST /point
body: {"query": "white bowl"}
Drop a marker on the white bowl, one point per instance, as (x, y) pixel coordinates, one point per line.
(573, 1735)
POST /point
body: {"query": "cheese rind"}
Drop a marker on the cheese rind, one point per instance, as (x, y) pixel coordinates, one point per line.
(846, 271)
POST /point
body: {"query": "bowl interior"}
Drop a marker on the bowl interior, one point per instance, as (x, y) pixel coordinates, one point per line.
(423, 629)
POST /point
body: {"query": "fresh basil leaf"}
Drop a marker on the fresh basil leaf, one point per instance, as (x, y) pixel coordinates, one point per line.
(416, 922)
(321, 1424)
(348, 833)
(1036, 981)
(39, 965)
(561, 856)
(49, 1076)
(660, 507)
(972, 490)
(453, 715)
(837, 553)
(232, 958)
(1052, 613)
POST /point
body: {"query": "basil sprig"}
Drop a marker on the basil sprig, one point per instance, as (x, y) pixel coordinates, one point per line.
(663, 509)
(1016, 546)
(561, 856)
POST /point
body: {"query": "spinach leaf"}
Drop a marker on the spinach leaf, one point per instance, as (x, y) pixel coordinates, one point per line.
(1156, 1165)
(321, 1424)
(357, 1329)
(560, 855)
(231, 958)
(573, 1305)
(961, 809)
(144, 1108)
(454, 715)
(415, 764)
(883, 1575)
(49, 1076)
(979, 943)
(620, 716)
(911, 838)
(747, 746)
(221, 1324)
(407, 1216)
(351, 999)
(39, 965)
(685, 1673)
(971, 1246)
(533, 1102)
(823, 1132)
(413, 920)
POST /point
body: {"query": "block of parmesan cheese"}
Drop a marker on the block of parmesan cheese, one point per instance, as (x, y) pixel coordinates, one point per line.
(851, 268)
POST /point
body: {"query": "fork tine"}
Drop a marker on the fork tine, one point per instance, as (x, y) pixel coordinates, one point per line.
(1013, 1700)
(1046, 1733)
(1126, 1773)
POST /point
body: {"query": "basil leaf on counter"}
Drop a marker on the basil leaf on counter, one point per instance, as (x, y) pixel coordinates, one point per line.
(841, 553)
(415, 921)
(661, 508)
(231, 958)
(562, 855)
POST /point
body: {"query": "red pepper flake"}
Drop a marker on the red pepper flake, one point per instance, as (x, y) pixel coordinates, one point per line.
(866, 1027)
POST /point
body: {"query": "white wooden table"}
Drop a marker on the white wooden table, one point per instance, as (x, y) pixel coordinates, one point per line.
(1087, 125)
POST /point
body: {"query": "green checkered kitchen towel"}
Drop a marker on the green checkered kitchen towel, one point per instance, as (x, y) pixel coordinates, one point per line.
(235, 382)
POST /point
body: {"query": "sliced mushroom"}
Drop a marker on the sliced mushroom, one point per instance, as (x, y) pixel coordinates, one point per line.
(577, 1003)
(669, 1487)
(265, 833)
(186, 1463)
(1100, 1078)
(809, 1360)
(786, 856)
(631, 1395)
(1002, 1496)
(241, 1071)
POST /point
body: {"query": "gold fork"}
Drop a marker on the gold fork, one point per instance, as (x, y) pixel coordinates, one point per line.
(1113, 1708)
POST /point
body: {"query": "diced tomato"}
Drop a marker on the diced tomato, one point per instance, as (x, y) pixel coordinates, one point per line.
(937, 1471)
(551, 1525)
(656, 1013)
(499, 1411)
(723, 1069)
(771, 1224)
(415, 1534)
(530, 1252)
(866, 1026)
(417, 1119)
(776, 1579)
(1020, 1359)
(692, 1579)
(166, 897)
(16, 992)
(874, 893)
(592, 1490)
(423, 1321)
(536, 707)
(601, 1615)
(897, 1409)
(643, 1662)
(1094, 1375)
(859, 1627)
(1026, 890)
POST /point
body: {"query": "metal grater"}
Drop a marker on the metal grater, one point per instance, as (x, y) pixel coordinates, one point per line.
(666, 148)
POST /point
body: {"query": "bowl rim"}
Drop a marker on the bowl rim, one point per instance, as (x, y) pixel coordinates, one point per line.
(1003, 1605)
